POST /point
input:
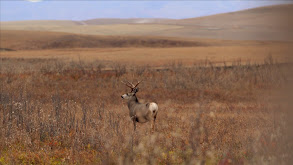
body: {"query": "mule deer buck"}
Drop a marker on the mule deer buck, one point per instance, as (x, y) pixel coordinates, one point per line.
(140, 112)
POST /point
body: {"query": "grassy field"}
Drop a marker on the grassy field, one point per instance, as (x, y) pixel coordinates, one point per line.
(152, 51)
(226, 100)
(56, 111)
(125, 29)
(163, 56)
(263, 23)
(32, 40)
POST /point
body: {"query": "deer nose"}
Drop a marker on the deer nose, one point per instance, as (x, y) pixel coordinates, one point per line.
(124, 96)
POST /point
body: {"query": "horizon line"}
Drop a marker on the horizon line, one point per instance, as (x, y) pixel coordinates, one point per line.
(284, 4)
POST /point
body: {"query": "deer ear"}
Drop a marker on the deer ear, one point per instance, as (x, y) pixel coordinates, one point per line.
(136, 90)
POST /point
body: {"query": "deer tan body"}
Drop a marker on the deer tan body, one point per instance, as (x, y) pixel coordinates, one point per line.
(140, 112)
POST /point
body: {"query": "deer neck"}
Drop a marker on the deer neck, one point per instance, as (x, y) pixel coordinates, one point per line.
(133, 101)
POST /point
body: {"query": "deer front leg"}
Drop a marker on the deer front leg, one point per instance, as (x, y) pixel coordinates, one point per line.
(133, 118)
(134, 125)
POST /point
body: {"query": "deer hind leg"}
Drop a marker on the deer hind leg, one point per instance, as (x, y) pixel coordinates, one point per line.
(154, 122)
(153, 126)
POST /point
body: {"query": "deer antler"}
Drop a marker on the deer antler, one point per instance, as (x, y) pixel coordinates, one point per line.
(130, 85)
(137, 84)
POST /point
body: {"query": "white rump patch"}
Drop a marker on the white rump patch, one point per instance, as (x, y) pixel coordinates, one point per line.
(153, 107)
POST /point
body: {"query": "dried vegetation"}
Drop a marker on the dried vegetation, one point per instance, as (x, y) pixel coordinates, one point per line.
(60, 112)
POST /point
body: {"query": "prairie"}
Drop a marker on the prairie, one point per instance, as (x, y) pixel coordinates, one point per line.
(263, 23)
(223, 84)
(70, 112)
(139, 50)
(162, 56)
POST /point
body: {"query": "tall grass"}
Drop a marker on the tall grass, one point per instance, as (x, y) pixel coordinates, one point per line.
(60, 112)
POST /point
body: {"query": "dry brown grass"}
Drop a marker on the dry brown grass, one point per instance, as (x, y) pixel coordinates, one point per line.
(32, 40)
(254, 53)
(60, 112)
(153, 51)
(264, 23)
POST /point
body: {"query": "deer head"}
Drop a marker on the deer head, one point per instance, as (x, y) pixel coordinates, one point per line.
(133, 91)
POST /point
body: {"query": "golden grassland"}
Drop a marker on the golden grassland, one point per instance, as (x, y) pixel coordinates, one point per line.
(263, 23)
(138, 50)
(56, 111)
(125, 29)
(32, 40)
(162, 56)
(220, 101)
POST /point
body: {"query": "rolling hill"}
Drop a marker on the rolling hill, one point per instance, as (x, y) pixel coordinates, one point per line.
(37, 40)
(263, 23)
(112, 21)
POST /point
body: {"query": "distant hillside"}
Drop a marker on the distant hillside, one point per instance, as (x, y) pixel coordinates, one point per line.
(263, 23)
(111, 21)
(29, 40)
(36, 24)
(277, 17)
